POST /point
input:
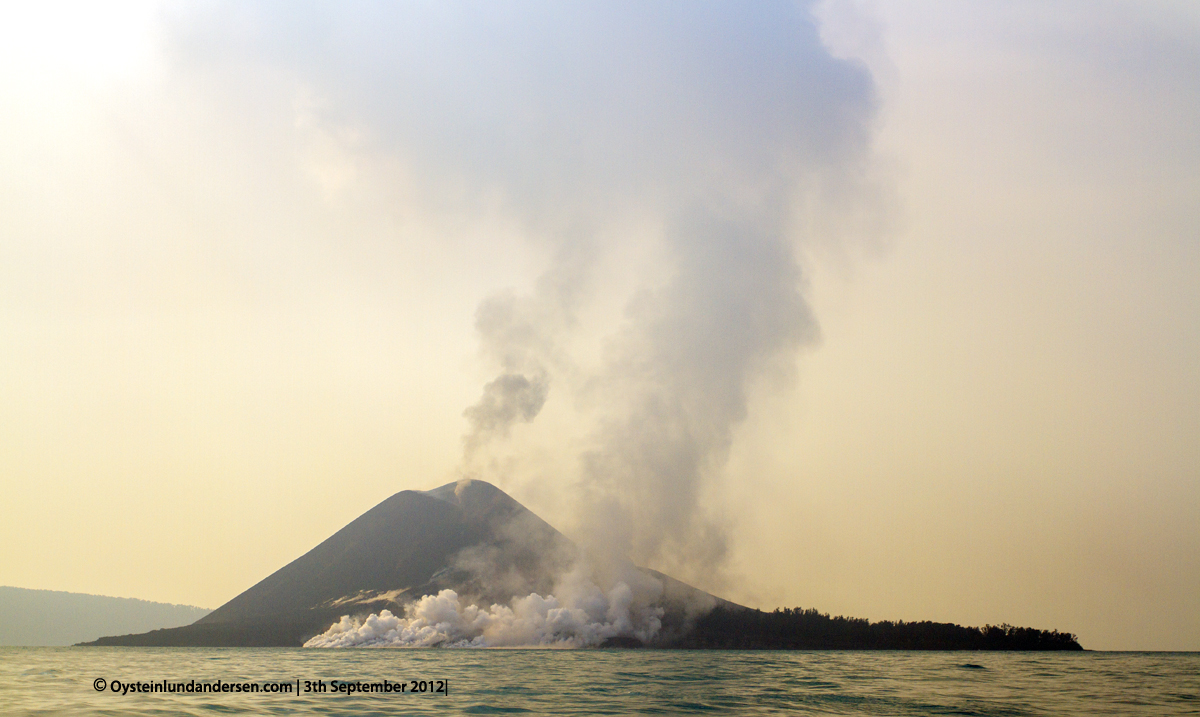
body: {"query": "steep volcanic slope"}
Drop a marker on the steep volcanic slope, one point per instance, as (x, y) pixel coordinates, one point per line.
(402, 548)
(468, 536)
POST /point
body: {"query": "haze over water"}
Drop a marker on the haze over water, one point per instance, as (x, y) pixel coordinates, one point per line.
(37, 681)
(887, 309)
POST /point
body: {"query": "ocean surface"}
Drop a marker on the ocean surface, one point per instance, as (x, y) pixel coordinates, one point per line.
(106, 681)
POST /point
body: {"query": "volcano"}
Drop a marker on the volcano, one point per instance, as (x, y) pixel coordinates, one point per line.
(468, 537)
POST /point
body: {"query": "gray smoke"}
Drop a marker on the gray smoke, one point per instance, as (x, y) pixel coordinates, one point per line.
(725, 131)
(521, 335)
(509, 398)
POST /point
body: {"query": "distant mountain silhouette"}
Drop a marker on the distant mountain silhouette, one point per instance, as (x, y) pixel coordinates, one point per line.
(34, 618)
(467, 536)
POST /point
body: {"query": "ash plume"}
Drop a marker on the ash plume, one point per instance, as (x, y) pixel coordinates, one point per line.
(508, 398)
(522, 335)
(723, 134)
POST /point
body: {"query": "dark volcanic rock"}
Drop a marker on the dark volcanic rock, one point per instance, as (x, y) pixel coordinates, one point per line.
(468, 536)
(398, 550)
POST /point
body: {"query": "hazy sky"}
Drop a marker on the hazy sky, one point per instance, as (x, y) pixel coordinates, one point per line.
(887, 309)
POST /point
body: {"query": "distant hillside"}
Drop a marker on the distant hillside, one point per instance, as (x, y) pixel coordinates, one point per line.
(49, 617)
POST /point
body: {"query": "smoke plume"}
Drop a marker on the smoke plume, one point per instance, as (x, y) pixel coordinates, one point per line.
(682, 369)
(520, 335)
(708, 140)
(506, 399)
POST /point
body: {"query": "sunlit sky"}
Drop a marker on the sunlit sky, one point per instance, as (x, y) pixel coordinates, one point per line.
(245, 275)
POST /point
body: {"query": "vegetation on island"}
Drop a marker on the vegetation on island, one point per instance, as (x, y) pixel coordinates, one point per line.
(801, 629)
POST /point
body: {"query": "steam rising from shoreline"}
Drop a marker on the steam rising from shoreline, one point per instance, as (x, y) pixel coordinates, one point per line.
(443, 620)
(581, 615)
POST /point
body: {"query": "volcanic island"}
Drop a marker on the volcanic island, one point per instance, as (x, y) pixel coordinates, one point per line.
(466, 565)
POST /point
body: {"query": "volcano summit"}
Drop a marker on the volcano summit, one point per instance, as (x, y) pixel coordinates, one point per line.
(471, 565)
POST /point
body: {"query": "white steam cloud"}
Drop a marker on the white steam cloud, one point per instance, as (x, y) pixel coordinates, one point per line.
(584, 616)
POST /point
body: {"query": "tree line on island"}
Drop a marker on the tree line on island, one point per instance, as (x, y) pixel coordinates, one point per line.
(808, 629)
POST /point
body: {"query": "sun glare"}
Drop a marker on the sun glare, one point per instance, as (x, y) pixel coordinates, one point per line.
(94, 42)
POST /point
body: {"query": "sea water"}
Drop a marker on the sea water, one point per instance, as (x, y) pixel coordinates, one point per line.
(126, 681)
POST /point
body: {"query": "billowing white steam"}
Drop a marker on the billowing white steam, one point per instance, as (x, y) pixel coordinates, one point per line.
(721, 135)
(586, 616)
